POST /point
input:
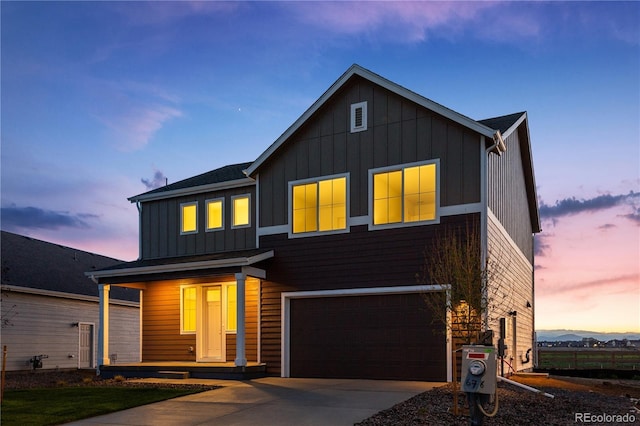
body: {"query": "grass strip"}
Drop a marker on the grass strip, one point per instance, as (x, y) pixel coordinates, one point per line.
(53, 406)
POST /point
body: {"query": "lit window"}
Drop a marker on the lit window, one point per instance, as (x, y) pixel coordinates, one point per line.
(405, 196)
(188, 311)
(215, 218)
(232, 308)
(241, 211)
(320, 206)
(188, 218)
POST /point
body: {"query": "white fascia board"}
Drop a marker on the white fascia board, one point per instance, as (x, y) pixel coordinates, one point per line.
(381, 81)
(63, 295)
(237, 183)
(191, 266)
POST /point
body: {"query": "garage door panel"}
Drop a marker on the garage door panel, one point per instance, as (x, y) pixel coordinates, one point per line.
(373, 336)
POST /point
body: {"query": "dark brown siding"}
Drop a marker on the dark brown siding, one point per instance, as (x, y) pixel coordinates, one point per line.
(373, 337)
(507, 194)
(399, 132)
(160, 229)
(359, 259)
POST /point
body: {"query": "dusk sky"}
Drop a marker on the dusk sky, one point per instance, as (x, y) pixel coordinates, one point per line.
(101, 101)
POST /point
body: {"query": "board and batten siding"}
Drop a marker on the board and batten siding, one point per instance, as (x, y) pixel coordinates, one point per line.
(399, 132)
(161, 322)
(515, 281)
(507, 194)
(40, 324)
(160, 227)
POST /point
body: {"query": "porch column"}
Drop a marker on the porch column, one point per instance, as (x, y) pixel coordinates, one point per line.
(241, 359)
(103, 329)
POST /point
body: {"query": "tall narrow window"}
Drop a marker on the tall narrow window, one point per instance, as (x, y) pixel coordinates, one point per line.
(189, 218)
(241, 211)
(404, 196)
(232, 308)
(188, 311)
(319, 206)
(215, 216)
(358, 117)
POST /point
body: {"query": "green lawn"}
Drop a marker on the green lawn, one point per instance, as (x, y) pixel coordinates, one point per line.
(52, 406)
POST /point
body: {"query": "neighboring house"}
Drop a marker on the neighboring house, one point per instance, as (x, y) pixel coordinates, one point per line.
(305, 260)
(49, 307)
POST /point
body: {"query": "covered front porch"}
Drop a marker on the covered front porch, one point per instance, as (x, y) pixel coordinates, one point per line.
(199, 317)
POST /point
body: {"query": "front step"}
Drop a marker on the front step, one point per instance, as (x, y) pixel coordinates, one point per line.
(173, 374)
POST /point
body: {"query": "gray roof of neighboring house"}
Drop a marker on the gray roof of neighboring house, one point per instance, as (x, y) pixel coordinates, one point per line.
(39, 265)
(228, 173)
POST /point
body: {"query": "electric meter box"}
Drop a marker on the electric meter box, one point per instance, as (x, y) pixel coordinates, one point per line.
(479, 369)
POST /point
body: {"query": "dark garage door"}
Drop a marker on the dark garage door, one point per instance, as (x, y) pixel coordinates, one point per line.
(368, 337)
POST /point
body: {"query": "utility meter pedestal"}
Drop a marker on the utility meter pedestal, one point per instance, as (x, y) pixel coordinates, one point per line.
(478, 378)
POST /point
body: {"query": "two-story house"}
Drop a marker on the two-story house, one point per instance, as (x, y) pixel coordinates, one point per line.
(304, 261)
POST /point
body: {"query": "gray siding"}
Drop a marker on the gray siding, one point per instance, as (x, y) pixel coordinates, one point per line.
(160, 228)
(514, 277)
(507, 194)
(399, 132)
(43, 325)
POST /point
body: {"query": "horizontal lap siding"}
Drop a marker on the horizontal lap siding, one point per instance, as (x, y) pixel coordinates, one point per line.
(399, 132)
(43, 325)
(515, 279)
(162, 340)
(359, 259)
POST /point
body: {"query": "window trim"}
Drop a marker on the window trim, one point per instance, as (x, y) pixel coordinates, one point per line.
(233, 206)
(354, 107)
(182, 206)
(206, 214)
(317, 180)
(402, 167)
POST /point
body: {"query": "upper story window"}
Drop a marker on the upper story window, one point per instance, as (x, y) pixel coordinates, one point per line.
(241, 210)
(404, 195)
(318, 205)
(189, 218)
(215, 214)
(358, 117)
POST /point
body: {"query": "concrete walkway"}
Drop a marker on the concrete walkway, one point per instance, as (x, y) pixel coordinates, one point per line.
(271, 401)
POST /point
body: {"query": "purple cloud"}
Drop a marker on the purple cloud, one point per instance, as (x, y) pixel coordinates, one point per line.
(158, 180)
(15, 218)
(572, 206)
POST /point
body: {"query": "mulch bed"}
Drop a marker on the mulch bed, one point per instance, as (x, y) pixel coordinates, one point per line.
(517, 406)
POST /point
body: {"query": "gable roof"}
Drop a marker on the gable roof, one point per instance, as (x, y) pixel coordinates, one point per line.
(36, 266)
(506, 123)
(223, 177)
(355, 69)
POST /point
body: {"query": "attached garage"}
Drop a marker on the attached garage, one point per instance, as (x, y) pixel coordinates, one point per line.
(369, 334)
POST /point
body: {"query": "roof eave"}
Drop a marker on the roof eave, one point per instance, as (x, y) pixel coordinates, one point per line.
(381, 81)
(236, 183)
(179, 267)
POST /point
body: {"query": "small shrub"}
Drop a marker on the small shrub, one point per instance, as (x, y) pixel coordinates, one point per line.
(119, 378)
(61, 383)
(87, 380)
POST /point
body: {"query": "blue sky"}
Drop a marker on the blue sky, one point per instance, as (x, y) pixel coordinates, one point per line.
(101, 99)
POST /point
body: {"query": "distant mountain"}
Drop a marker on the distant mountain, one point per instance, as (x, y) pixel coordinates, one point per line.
(573, 335)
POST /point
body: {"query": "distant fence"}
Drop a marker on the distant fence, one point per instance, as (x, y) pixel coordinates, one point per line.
(588, 359)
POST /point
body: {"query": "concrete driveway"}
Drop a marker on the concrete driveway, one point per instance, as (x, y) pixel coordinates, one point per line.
(272, 401)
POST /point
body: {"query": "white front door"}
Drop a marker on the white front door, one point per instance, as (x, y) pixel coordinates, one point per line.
(212, 335)
(86, 346)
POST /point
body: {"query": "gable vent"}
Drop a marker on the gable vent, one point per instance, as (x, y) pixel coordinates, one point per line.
(358, 117)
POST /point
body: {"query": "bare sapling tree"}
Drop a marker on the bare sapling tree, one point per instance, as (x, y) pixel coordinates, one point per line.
(476, 282)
